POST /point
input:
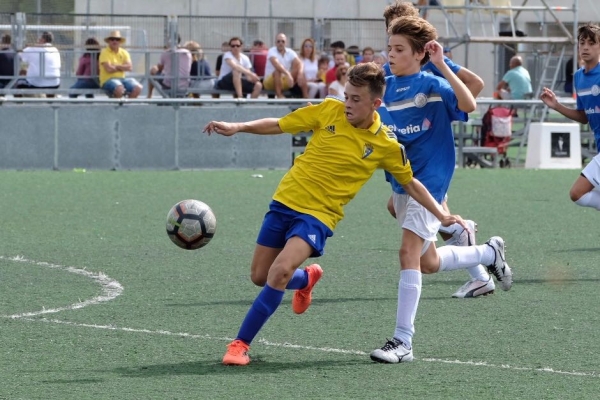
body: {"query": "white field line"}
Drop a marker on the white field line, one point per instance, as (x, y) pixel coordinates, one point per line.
(111, 289)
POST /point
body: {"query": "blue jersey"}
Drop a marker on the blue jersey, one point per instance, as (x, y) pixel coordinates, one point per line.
(420, 109)
(587, 87)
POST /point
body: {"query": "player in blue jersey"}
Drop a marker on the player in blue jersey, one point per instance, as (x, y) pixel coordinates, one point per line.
(586, 189)
(348, 144)
(480, 283)
(422, 107)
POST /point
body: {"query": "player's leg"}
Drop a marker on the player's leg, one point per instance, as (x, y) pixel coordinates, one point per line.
(585, 191)
(480, 282)
(295, 252)
(418, 231)
(390, 206)
(490, 254)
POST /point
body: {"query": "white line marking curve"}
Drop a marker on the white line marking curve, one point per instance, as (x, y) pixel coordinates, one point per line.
(112, 289)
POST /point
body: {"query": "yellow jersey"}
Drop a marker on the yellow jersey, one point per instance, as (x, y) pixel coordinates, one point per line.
(339, 159)
(107, 55)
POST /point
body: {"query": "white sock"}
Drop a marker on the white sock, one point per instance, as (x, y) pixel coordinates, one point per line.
(478, 272)
(590, 199)
(409, 292)
(462, 257)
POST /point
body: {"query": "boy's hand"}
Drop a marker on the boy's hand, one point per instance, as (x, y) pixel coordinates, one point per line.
(222, 128)
(436, 52)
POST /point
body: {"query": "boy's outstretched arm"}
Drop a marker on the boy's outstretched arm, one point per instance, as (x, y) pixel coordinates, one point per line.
(265, 126)
(549, 98)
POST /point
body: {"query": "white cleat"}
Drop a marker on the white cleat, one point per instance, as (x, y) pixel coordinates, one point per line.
(475, 288)
(499, 268)
(392, 352)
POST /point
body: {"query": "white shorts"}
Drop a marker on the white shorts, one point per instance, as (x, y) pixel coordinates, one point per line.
(592, 171)
(414, 217)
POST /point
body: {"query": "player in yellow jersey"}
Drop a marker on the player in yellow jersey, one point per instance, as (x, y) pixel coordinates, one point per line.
(348, 144)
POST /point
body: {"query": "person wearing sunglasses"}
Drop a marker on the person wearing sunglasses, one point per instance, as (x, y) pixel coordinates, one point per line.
(236, 72)
(114, 62)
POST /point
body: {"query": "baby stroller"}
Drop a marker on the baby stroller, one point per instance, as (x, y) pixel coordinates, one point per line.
(496, 131)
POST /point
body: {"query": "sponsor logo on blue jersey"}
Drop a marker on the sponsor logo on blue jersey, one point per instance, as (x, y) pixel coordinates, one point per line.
(407, 130)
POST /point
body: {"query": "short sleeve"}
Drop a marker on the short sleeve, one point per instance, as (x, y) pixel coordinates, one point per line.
(303, 119)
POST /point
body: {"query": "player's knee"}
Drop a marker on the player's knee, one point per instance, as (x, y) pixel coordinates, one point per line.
(575, 194)
(258, 279)
(428, 269)
(390, 208)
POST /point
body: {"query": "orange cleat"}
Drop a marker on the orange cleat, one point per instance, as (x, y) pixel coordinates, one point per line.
(303, 297)
(237, 353)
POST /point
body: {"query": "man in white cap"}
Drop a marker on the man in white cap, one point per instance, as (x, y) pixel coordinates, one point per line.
(114, 62)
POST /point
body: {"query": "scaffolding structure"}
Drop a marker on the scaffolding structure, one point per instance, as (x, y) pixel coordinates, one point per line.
(546, 39)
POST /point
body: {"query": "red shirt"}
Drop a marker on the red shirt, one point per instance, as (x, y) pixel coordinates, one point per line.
(330, 76)
(259, 62)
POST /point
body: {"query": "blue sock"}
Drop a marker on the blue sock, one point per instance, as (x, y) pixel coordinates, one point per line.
(299, 280)
(263, 307)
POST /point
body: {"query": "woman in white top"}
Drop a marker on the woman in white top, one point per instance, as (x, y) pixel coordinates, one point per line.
(336, 88)
(314, 85)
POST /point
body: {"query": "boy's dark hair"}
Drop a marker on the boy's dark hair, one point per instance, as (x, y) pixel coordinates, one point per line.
(235, 38)
(589, 31)
(399, 9)
(417, 31)
(368, 74)
(6, 39)
(48, 37)
(338, 45)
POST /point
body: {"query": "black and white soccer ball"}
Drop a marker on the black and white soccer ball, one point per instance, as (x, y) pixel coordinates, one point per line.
(191, 224)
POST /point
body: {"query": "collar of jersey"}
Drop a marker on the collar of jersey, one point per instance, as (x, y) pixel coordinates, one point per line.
(376, 126)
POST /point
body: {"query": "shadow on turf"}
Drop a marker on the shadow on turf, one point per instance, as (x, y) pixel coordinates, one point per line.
(75, 381)
(258, 366)
(248, 302)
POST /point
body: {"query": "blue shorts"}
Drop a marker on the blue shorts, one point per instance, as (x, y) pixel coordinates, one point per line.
(111, 84)
(282, 223)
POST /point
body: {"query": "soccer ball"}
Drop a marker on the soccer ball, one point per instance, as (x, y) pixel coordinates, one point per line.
(191, 224)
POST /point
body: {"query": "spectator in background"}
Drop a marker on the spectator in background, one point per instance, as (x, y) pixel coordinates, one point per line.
(339, 45)
(323, 68)
(379, 59)
(354, 51)
(236, 72)
(43, 65)
(448, 52)
(7, 61)
(174, 66)
(200, 75)
(336, 89)
(284, 69)
(88, 68)
(367, 55)
(315, 87)
(569, 71)
(424, 5)
(516, 82)
(258, 57)
(339, 59)
(114, 62)
(219, 62)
